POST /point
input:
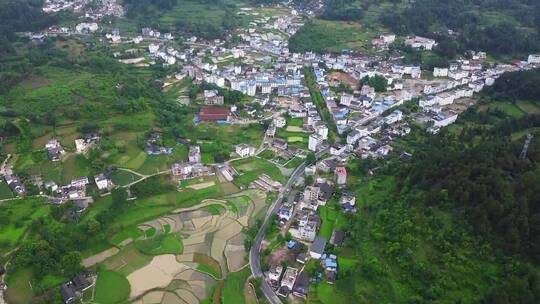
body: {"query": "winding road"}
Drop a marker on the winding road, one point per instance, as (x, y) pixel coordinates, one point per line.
(254, 253)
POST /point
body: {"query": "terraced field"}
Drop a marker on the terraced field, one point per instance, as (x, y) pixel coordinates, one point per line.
(159, 270)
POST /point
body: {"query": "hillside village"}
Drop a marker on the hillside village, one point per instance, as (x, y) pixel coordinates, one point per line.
(357, 122)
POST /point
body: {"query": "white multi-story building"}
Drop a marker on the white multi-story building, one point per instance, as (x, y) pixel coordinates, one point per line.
(314, 141)
(421, 42)
(244, 150)
(194, 154)
(102, 182)
(280, 122)
(345, 99)
(353, 137)
(322, 130)
(534, 59)
(444, 119)
(440, 72)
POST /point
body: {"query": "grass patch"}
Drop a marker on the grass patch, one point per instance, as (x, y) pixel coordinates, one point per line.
(161, 244)
(330, 36)
(75, 166)
(239, 204)
(209, 270)
(122, 178)
(328, 294)
(295, 122)
(5, 191)
(508, 108)
(251, 168)
(111, 287)
(151, 232)
(294, 139)
(131, 232)
(214, 209)
(127, 260)
(19, 291)
(16, 216)
(529, 107)
(267, 154)
(293, 163)
(328, 217)
(233, 288)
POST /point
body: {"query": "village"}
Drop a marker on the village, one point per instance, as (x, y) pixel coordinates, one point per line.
(363, 121)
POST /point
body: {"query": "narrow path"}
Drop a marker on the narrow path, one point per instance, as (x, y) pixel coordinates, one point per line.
(131, 171)
(143, 177)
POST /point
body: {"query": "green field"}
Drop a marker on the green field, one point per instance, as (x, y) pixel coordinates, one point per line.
(16, 216)
(295, 139)
(233, 288)
(267, 154)
(210, 270)
(150, 208)
(5, 191)
(121, 177)
(251, 168)
(323, 36)
(506, 107)
(111, 287)
(295, 162)
(161, 244)
(328, 216)
(529, 107)
(19, 283)
(295, 122)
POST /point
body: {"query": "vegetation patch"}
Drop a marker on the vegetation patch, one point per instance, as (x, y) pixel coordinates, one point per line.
(19, 291)
(111, 287)
(295, 139)
(233, 288)
(161, 244)
(328, 216)
(251, 168)
(122, 177)
(15, 218)
(322, 36)
(5, 191)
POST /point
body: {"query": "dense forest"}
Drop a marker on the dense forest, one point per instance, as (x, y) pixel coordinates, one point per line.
(19, 16)
(342, 10)
(517, 86)
(513, 30)
(481, 173)
(459, 222)
(209, 25)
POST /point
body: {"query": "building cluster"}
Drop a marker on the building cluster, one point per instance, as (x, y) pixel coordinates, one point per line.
(154, 146)
(192, 168)
(76, 190)
(87, 142)
(72, 291)
(300, 218)
(54, 149)
(261, 66)
(15, 184)
(88, 9)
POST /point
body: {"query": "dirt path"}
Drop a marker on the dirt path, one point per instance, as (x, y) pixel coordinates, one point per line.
(100, 257)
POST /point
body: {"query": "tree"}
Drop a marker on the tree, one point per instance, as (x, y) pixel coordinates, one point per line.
(119, 198)
(71, 263)
(378, 82)
(311, 158)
